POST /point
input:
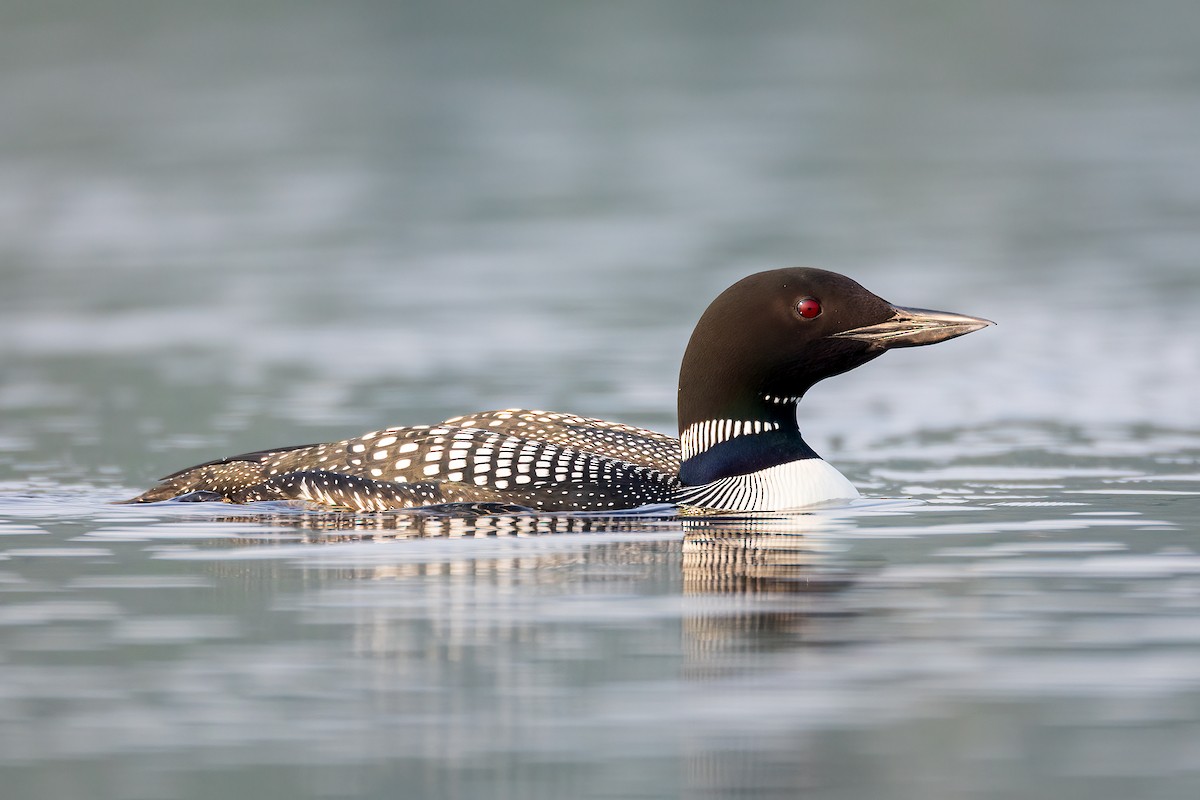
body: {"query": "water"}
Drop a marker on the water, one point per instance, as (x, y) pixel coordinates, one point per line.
(227, 227)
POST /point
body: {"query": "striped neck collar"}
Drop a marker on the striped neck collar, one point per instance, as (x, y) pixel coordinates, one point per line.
(768, 412)
(719, 448)
(701, 436)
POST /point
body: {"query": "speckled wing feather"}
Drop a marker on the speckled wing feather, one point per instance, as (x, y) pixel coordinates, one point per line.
(538, 459)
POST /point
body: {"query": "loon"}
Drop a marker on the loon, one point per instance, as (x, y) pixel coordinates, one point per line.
(753, 355)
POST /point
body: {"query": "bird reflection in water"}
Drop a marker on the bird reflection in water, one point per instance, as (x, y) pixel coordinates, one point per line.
(454, 520)
(750, 591)
(766, 577)
(749, 582)
(762, 585)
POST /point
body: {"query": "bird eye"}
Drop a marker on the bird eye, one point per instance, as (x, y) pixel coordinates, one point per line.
(808, 308)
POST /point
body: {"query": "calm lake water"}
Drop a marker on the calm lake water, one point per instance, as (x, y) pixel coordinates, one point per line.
(226, 226)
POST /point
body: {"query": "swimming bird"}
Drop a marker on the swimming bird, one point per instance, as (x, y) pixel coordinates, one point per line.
(757, 349)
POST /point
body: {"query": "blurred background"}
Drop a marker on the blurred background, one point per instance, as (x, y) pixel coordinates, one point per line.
(234, 225)
(231, 225)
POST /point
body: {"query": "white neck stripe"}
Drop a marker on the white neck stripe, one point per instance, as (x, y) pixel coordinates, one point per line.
(781, 401)
(702, 435)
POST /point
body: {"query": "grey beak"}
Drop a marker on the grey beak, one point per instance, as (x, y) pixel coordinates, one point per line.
(913, 327)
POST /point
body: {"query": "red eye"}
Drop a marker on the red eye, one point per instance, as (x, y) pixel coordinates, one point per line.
(809, 307)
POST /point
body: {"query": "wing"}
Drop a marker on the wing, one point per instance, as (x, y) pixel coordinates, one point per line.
(639, 446)
(538, 459)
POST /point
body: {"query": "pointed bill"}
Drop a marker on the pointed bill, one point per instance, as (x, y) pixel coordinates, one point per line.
(913, 327)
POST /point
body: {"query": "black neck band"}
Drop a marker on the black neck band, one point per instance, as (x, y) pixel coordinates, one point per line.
(742, 455)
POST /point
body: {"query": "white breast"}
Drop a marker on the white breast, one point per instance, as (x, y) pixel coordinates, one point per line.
(796, 484)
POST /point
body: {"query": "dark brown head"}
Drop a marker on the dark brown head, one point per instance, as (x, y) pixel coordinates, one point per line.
(768, 338)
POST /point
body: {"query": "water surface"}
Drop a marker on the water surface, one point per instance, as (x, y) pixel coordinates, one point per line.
(224, 228)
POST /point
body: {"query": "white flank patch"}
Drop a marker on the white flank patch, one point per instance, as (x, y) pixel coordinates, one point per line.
(796, 484)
